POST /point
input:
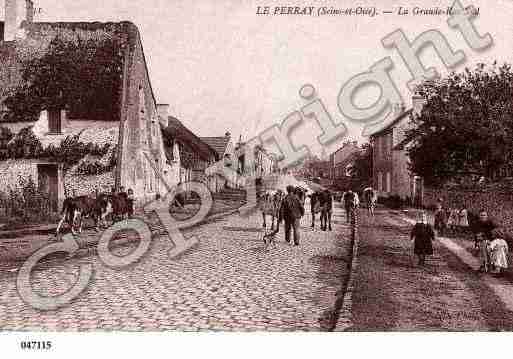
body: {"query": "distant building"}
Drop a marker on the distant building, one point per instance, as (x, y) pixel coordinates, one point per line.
(263, 162)
(225, 149)
(184, 147)
(342, 160)
(391, 174)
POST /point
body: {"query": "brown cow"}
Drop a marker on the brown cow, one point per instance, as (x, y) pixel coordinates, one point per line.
(75, 209)
(120, 206)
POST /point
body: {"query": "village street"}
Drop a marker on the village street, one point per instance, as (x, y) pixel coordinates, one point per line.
(393, 293)
(227, 282)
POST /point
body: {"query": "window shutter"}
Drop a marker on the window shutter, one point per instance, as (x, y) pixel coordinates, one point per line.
(54, 121)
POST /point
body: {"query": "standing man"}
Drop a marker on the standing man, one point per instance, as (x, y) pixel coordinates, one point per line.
(351, 201)
(291, 211)
(326, 201)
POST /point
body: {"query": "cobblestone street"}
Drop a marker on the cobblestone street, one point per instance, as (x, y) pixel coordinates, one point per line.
(227, 282)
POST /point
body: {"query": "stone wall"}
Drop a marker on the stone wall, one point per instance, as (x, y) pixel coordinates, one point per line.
(86, 185)
(141, 132)
(498, 204)
(12, 170)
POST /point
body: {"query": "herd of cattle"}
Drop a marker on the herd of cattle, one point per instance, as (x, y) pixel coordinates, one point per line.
(321, 202)
(119, 205)
(75, 209)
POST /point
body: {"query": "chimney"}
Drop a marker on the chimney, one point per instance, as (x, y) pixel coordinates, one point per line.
(16, 12)
(417, 103)
(398, 109)
(163, 112)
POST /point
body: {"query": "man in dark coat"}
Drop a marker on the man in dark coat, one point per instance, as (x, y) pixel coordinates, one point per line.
(422, 235)
(350, 200)
(314, 203)
(326, 202)
(291, 211)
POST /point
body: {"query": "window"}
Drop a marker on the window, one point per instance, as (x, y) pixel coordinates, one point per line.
(388, 182)
(54, 121)
(380, 182)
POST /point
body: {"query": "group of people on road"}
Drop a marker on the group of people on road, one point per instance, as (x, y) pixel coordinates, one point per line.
(292, 209)
(455, 220)
(489, 240)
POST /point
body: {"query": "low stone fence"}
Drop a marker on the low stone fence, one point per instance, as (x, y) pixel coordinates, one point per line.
(498, 203)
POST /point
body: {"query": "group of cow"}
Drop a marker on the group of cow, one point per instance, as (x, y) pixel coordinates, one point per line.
(321, 202)
(117, 205)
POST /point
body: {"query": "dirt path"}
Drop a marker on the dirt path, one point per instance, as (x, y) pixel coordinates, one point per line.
(392, 293)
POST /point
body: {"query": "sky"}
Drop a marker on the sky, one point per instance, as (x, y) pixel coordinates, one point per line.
(223, 68)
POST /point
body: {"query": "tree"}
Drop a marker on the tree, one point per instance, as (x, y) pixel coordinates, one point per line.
(466, 125)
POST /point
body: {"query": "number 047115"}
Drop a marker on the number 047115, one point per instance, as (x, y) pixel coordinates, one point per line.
(36, 345)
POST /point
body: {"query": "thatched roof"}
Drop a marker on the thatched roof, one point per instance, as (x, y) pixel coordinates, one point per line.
(177, 131)
(217, 143)
(15, 55)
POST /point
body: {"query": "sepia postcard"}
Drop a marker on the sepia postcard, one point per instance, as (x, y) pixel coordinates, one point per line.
(306, 167)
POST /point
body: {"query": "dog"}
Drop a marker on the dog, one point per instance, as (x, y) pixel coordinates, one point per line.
(269, 238)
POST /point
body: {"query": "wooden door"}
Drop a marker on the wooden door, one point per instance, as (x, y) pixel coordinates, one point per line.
(48, 183)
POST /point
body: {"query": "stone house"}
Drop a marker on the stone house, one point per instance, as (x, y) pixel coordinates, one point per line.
(264, 163)
(78, 91)
(341, 161)
(390, 167)
(225, 149)
(183, 146)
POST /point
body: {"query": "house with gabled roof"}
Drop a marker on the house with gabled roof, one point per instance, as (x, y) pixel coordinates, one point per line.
(77, 109)
(182, 145)
(225, 149)
(223, 145)
(390, 160)
(342, 160)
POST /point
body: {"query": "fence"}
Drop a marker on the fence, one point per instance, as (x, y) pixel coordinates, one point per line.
(27, 205)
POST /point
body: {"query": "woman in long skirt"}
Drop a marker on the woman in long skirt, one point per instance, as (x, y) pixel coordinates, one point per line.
(422, 234)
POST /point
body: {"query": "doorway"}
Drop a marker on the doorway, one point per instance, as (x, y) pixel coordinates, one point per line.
(48, 183)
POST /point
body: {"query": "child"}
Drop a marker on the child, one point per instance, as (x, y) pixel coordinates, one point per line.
(484, 254)
(463, 220)
(440, 220)
(452, 222)
(498, 249)
(422, 236)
